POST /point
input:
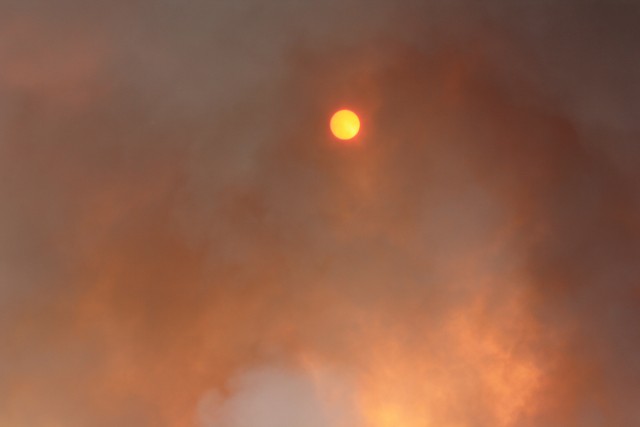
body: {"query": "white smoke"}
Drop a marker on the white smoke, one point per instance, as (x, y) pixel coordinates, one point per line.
(272, 396)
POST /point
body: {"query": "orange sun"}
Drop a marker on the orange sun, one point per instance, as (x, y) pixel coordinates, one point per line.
(345, 124)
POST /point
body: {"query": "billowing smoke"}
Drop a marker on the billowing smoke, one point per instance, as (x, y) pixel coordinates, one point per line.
(182, 243)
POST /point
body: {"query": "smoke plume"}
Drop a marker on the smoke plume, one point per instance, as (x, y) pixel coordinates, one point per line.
(182, 242)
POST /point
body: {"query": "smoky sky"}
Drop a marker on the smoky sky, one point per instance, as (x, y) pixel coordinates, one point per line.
(183, 243)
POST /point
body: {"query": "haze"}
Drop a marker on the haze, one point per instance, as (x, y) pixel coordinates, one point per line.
(183, 244)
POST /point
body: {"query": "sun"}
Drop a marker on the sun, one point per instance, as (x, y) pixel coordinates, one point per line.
(345, 124)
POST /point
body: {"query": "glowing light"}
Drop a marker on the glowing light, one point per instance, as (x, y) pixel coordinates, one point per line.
(345, 124)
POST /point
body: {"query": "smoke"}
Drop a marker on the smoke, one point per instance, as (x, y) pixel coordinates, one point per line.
(272, 397)
(182, 243)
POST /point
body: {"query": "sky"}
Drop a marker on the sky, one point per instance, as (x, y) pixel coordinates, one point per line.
(184, 244)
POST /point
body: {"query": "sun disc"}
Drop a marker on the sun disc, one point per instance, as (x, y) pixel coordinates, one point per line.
(345, 124)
